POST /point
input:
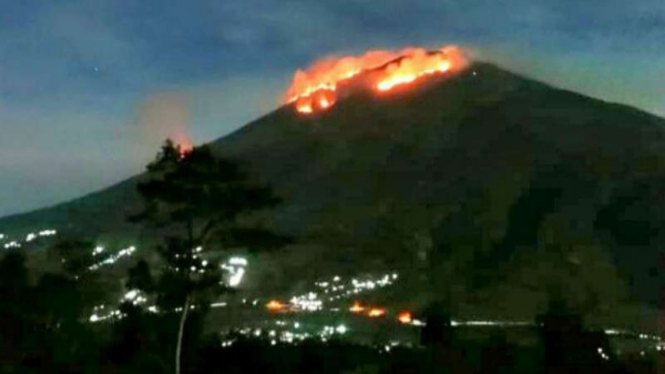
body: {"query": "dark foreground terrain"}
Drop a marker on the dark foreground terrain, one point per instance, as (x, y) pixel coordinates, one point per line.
(44, 329)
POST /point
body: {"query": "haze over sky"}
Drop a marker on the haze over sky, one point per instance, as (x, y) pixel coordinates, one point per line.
(85, 86)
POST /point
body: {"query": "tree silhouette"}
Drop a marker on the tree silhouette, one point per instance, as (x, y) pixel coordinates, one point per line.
(76, 259)
(568, 344)
(438, 331)
(139, 277)
(75, 256)
(15, 324)
(196, 198)
(498, 354)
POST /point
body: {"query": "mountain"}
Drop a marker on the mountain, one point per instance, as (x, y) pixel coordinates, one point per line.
(491, 186)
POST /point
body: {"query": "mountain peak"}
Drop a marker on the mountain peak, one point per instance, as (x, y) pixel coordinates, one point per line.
(319, 87)
(496, 156)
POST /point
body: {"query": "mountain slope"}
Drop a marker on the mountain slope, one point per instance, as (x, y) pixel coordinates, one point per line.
(477, 179)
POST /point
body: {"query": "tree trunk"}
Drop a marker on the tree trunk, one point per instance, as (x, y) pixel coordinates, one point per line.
(181, 330)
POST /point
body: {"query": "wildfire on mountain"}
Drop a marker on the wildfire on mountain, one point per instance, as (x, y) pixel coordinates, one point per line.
(405, 317)
(165, 116)
(275, 306)
(184, 146)
(357, 308)
(376, 312)
(317, 88)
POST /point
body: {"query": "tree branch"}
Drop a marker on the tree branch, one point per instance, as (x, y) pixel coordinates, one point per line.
(181, 331)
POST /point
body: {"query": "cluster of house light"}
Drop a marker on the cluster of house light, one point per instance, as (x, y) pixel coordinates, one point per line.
(628, 333)
(333, 289)
(309, 302)
(391, 345)
(112, 259)
(289, 333)
(98, 314)
(137, 297)
(602, 354)
(288, 336)
(236, 267)
(12, 244)
(30, 237)
(336, 289)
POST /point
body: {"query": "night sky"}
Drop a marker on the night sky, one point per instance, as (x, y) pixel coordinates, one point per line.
(89, 89)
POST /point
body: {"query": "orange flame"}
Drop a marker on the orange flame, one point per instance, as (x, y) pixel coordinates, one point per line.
(318, 100)
(316, 89)
(376, 312)
(357, 308)
(408, 70)
(164, 116)
(405, 317)
(184, 146)
(275, 305)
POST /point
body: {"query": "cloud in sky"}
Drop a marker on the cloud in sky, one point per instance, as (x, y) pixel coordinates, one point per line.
(74, 74)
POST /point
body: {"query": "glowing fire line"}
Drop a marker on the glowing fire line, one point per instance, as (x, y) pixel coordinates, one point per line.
(316, 89)
(397, 80)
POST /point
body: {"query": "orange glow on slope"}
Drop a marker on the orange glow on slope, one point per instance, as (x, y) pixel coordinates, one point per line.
(405, 317)
(316, 89)
(319, 100)
(408, 70)
(304, 107)
(357, 308)
(184, 147)
(376, 312)
(275, 305)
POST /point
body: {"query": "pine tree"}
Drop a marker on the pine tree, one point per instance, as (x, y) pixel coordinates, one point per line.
(197, 198)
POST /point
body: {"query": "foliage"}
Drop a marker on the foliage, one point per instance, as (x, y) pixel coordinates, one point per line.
(438, 330)
(40, 332)
(197, 199)
(75, 255)
(198, 191)
(140, 277)
(567, 342)
(42, 326)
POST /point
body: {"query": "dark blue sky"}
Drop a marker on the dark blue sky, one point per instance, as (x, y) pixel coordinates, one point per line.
(80, 81)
